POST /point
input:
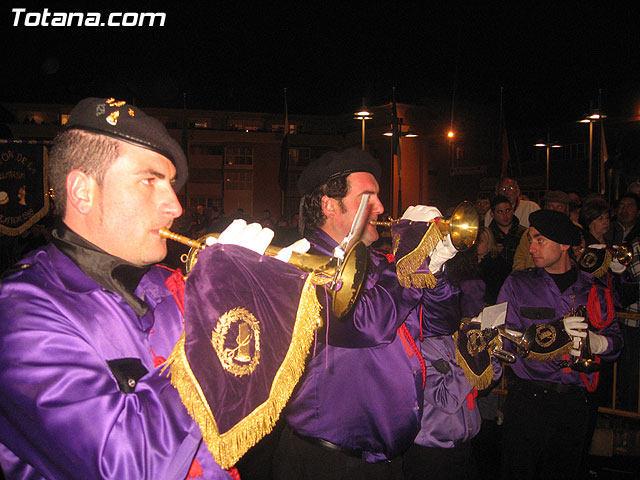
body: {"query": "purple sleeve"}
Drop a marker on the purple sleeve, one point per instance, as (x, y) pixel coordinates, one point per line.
(62, 412)
(381, 308)
(440, 308)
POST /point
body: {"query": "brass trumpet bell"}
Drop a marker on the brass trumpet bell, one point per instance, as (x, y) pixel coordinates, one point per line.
(623, 254)
(350, 274)
(462, 225)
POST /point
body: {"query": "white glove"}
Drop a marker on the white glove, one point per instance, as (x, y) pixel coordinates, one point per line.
(251, 236)
(301, 246)
(575, 326)
(598, 343)
(443, 252)
(421, 213)
(616, 266)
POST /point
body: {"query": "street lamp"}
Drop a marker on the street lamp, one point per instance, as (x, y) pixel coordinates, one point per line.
(363, 114)
(591, 119)
(548, 145)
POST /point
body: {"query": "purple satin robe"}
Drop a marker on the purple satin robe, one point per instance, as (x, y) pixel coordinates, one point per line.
(62, 414)
(364, 391)
(536, 288)
(447, 419)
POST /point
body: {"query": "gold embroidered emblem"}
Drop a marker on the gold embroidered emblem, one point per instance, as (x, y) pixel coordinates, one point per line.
(132, 113)
(112, 119)
(545, 335)
(589, 260)
(476, 342)
(236, 340)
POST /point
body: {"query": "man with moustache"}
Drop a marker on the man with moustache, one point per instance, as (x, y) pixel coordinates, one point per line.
(359, 403)
(548, 409)
(87, 321)
(509, 188)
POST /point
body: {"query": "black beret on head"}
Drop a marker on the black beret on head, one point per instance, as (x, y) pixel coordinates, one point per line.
(125, 122)
(555, 226)
(336, 164)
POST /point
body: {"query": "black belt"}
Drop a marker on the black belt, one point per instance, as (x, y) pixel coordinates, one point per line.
(327, 445)
(553, 387)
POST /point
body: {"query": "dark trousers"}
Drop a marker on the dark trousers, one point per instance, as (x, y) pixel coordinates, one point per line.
(427, 463)
(299, 459)
(545, 432)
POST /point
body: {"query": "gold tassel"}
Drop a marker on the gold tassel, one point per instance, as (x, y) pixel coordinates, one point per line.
(412, 261)
(229, 447)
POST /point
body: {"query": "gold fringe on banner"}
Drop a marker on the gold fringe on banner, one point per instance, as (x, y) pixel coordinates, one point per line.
(227, 448)
(480, 382)
(549, 356)
(407, 265)
(602, 269)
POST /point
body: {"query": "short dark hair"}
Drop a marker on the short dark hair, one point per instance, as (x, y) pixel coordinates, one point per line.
(311, 214)
(591, 210)
(632, 196)
(78, 149)
(498, 199)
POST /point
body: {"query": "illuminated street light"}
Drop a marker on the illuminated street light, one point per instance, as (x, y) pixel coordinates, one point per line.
(591, 119)
(363, 114)
(548, 145)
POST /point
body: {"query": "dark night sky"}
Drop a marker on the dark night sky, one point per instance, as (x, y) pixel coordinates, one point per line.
(550, 59)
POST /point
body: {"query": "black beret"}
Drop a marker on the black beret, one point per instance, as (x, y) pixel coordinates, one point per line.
(555, 226)
(125, 122)
(336, 164)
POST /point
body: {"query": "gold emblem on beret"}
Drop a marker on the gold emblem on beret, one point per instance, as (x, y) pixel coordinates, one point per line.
(112, 119)
(236, 340)
(545, 335)
(132, 113)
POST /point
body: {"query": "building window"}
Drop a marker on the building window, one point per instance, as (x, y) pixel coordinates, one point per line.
(205, 202)
(242, 126)
(241, 180)
(299, 157)
(201, 149)
(280, 128)
(238, 156)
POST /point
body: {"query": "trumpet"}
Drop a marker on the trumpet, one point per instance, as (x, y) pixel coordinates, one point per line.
(349, 274)
(586, 361)
(623, 254)
(462, 225)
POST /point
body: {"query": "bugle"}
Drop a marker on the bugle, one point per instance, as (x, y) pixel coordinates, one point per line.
(623, 254)
(462, 225)
(350, 273)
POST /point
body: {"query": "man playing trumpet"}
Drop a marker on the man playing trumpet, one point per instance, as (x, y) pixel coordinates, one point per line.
(87, 321)
(359, 403)
(548, 409)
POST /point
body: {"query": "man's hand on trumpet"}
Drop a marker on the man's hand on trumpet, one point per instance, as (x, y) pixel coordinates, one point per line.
(445, 249)
(256, 238)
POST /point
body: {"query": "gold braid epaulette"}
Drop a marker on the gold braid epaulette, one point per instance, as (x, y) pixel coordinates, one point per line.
(480, 382)
(407, 265)
(227, 448)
